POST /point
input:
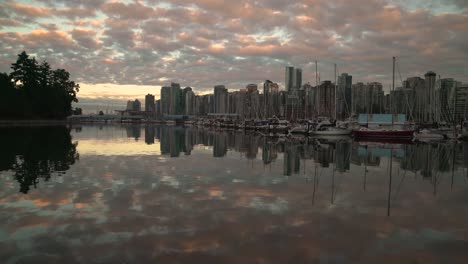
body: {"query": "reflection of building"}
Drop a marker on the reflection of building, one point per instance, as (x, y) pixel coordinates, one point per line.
(428, 159)
(133, 132)
(219, 145)
(342, 155)
(149, 135)
(269, 153)
(292, 162)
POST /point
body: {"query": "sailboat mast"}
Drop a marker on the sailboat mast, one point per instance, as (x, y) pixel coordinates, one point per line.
(316, 90)
(392, 93)
(336, 105)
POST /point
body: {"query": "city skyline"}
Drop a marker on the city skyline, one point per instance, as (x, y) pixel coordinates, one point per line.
(119, 49)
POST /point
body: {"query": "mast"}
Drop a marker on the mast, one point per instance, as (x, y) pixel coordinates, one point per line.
(316, 90)
(336, 105)
(392, 93)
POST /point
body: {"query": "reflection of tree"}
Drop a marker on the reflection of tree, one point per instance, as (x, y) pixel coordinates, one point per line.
(36, 152)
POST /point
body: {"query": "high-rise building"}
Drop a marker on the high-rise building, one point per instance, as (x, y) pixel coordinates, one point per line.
(289, 78)
(367, 98)
(460, 103)
(325, 105)
(446, 91)
(220, 99)
(189, 101)
(157, 107)
(149, 103)
(165, 100)
(133, 105)
(431, 107)
(417, 101)
(136, 105)
(251, 88)
(344, 95)
(129, 105)
(252, 102)
(267, 104)
(297, 83)
(175, 99)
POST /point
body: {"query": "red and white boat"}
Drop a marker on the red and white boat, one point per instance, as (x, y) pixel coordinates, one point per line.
(384, 133)
(403, 132)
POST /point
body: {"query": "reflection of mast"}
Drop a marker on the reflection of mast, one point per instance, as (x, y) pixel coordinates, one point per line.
(333, 185)
(453, 166)
(365, 170)
(315, 184)
(390, 183)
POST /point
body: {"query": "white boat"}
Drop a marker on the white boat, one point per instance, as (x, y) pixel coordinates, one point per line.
(189, 123)
(331, 131)
(298, 129)
(278, 125)
(325, 128)
(302, 127)
(428, 135)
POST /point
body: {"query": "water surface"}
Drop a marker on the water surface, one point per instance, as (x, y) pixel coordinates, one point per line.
(136, 194)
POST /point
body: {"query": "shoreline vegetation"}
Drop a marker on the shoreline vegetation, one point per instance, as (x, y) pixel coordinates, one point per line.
(35, 91)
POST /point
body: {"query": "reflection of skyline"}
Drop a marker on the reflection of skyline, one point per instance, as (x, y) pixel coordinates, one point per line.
(423, 158)
(197, 208)
(175, 140)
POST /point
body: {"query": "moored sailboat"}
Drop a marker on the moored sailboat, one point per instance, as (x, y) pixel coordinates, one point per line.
(383, 132)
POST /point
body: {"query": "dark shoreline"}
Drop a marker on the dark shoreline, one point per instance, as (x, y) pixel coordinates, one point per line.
(33, 122)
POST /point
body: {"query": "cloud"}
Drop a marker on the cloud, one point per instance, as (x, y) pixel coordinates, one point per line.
(206, 42)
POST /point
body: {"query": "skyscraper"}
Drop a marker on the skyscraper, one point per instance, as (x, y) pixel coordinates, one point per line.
(220, 99)
(149, 103)
(175, 99)
(267, 98)
(189, 101)
(136, 105)
(431, 108)
(344, 95)
(289, 78)
(165, 100)
(297, 83)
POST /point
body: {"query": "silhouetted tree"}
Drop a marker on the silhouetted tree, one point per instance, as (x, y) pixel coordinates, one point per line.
(35, 90)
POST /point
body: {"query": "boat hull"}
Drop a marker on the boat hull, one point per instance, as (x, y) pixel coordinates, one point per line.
(334, 132)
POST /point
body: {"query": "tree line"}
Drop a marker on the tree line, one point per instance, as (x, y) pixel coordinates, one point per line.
(36, 91)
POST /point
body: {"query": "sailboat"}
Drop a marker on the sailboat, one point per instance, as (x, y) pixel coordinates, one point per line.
(385, 133)
(326, 128)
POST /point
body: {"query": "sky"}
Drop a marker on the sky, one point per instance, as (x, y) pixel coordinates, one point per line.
(119, 50)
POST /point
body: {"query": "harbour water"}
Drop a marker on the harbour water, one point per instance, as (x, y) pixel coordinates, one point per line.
(168, 194)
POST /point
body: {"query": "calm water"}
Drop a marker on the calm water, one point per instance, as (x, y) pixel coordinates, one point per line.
(135, 194)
